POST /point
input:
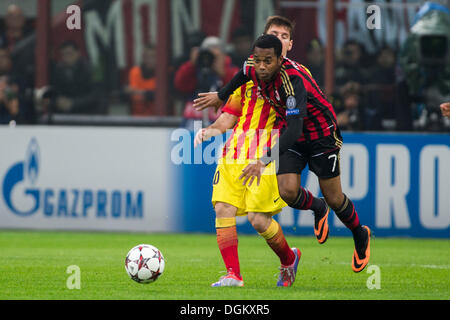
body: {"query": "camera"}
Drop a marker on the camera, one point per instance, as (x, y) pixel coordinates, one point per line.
(205, 59)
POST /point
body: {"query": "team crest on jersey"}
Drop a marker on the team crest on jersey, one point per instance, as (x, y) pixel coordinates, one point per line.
(248, 93)
(291, 102)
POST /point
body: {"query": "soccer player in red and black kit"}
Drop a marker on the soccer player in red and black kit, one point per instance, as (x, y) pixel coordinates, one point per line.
(310, 136)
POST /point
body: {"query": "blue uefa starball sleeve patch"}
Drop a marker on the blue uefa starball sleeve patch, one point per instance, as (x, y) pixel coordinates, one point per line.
(292, 112)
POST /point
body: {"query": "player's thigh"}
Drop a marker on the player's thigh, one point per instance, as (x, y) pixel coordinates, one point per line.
(225, 210)
(291, 164)
(324, 157)
(292, 161)
(264, 198)
(289, 185)
(227, 187)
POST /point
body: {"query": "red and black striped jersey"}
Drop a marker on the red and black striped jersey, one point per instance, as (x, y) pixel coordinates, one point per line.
(294, 91)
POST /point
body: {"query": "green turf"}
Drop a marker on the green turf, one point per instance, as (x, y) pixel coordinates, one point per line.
(33, 266)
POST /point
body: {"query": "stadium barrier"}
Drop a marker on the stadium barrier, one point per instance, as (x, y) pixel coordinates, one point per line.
(153, 180)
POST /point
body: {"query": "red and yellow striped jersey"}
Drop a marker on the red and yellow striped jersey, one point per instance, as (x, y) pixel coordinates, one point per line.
(257, 127)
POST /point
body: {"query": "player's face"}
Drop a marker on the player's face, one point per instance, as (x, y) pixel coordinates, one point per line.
(282, 33)
(266, 63)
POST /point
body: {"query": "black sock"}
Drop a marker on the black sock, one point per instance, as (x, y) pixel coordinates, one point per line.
(348, 216)
(306, 201)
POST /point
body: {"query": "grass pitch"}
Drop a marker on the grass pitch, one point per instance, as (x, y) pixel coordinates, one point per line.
(33, 265)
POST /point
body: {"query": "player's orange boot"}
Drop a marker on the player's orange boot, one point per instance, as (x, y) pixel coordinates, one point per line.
(321, 229)
(358, 263)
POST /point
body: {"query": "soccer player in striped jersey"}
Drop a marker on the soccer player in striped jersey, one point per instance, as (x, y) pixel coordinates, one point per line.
(255, 126)
(311, 137)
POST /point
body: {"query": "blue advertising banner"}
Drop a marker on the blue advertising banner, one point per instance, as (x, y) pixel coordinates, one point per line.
(399, 183)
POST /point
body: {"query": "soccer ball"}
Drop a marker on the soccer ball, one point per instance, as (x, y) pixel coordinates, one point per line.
(144, 263)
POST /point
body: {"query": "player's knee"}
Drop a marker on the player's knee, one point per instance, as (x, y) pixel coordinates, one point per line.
(288, 190)
(334, 200)
(288, 194)
(254, 221)
(259, 222)
(224, 210)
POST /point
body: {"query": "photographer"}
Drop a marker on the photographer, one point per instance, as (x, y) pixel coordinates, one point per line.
(207, 70)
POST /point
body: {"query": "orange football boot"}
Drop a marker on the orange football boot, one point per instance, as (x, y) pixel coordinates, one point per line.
(358, 264)
(322, 229)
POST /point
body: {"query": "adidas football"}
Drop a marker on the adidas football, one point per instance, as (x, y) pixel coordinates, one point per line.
(144, 263)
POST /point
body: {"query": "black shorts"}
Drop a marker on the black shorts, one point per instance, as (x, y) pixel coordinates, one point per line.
(322, 156)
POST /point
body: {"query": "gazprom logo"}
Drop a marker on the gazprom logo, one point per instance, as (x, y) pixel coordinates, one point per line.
(19, 172)
(24, 197)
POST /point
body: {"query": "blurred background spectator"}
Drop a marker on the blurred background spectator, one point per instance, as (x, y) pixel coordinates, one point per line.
(17, 59)
(349, 108)
(241, 46)
(193, 41)
(5, 63)
(14, 28)
(351, 64)
(380, 92)
(400, 83)
(9, 102)
(315, 61)
(73, 88)
(13, 103)
(142, 84)
(208, 69)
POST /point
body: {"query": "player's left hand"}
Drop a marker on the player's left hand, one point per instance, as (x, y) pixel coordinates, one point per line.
(252, 171)
(207, 100)
(445, 108)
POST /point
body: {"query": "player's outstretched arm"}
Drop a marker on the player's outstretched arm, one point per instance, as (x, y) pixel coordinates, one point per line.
(216, 99)
(223, 123)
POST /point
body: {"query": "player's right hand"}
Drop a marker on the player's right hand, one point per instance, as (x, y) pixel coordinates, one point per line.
(207, 100)
(199, 137)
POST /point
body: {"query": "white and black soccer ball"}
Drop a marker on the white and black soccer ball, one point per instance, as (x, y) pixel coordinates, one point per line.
(144, 263)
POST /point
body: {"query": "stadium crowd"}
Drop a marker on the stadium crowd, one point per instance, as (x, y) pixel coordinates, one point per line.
(372, 91)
